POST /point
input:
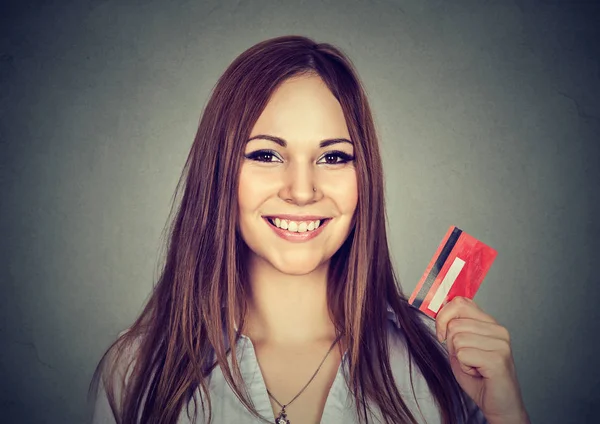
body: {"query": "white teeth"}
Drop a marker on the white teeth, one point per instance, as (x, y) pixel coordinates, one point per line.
(293, 226)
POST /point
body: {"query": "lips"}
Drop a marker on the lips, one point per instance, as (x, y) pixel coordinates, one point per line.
(293, 236)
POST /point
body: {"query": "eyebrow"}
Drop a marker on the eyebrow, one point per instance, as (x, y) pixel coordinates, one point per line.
(283, 143)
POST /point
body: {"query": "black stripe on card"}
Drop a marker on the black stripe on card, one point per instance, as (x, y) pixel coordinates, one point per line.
(437, 266)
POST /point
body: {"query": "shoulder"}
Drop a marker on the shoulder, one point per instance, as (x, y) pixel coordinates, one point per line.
(124, 354)
(408, 375)
(114, 372)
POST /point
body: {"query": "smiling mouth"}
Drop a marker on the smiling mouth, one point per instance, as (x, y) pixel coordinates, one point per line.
(296, 226)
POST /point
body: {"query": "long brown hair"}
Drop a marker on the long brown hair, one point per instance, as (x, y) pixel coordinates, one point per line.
(187, 326)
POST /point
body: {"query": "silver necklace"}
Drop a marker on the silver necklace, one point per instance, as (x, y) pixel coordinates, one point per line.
(282, 417)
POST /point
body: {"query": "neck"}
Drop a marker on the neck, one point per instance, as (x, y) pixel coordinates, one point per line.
(287, 309)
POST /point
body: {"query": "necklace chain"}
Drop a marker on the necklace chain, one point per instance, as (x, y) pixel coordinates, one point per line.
(282, 413)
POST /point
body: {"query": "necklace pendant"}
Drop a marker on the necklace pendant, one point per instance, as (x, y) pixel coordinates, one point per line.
(282, 418)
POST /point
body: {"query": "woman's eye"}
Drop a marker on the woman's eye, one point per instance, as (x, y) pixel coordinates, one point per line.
(263, 156)
(330, 158)
(337, 157)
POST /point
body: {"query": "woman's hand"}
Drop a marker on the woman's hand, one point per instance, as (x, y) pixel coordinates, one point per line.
(481, 359)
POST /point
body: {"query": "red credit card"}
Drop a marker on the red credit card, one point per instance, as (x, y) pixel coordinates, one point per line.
(457, 269)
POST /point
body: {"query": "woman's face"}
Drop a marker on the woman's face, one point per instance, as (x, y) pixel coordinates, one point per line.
(281, 218)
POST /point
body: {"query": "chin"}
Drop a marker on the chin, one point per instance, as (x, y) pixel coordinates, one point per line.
(295, 266)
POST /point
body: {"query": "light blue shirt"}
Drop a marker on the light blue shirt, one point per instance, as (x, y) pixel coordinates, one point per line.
(339, 407)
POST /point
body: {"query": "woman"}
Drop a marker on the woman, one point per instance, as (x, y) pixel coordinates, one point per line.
(278, 301)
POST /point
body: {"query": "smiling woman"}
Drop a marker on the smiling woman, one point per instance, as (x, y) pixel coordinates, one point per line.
(278, 300)
(299, 171)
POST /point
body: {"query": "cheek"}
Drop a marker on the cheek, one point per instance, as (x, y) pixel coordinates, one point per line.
(347, 193)
(244, 196)
(252, 190)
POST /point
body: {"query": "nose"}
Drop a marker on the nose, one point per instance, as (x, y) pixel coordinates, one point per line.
(299, 181)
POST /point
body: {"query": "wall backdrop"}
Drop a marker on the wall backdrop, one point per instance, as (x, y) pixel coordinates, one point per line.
(489, 118)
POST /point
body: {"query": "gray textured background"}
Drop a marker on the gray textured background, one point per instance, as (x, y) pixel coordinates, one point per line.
(489, 116)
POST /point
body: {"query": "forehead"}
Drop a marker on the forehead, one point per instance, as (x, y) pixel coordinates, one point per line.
(302, 108)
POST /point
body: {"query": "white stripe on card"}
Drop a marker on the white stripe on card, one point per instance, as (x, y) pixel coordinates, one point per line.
(446, 284)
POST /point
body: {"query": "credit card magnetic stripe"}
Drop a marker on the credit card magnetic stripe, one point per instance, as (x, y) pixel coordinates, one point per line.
(447, 283)
(435, 269)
